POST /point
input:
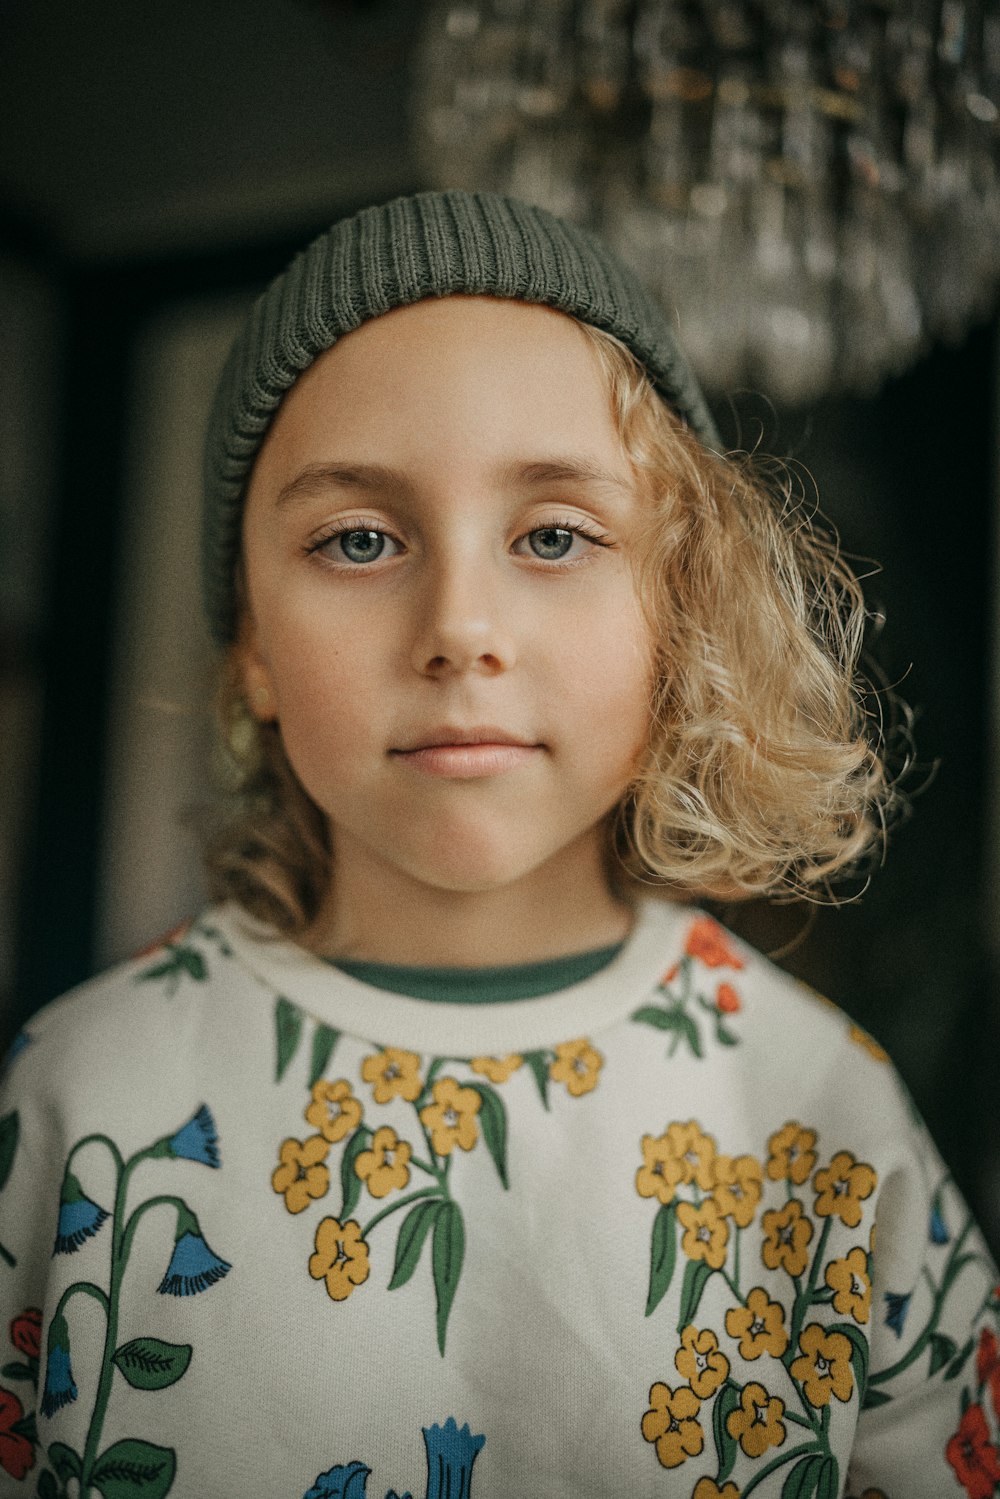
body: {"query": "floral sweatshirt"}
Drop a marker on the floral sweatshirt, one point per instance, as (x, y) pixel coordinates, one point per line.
(269, 1231)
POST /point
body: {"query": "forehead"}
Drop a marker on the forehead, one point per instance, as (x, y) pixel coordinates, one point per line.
(485, 371)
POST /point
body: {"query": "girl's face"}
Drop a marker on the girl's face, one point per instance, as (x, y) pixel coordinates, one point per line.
(438, 544)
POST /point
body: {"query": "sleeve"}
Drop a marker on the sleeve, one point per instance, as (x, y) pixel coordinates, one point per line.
(29, 1164)
(930, 1421)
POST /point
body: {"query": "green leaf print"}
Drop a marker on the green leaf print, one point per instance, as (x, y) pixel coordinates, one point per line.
(803, 1480)
(726, 1446)
(829, 1479)
(875, 1397)
(943, 1350)
(9, 1130)
(150, 1364)
(539, 1065)
(288, 1029)
(65, 1461)
(960, 1360)
(696, 1277)
(859, 1353)
(410, 1243)
(19, 1371)
(662, 1256)
(350, 1182)
(447, 1255)
(325, 1039)
(661, 1020)
(493, 1118)
(47, 1486)
(134, 1470)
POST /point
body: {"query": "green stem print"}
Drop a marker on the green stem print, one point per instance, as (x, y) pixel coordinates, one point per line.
(708, 1204)
(685, 1007)
(447, 1112)
(9, 1133)
(178, 957)
(132, 1467)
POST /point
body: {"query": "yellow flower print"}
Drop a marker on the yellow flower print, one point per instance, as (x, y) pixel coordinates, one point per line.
(706, 1488)
(824, 1369)
(393, 1074)
(699, 1361)
(670, 1423)
(760, 1326)
(787, 1234)
(757, 1424)
(496, 1069)
(861, 1038)
(662, 1169)
(695, 1151)
(301, 1175)
(451, 1118)
(577, 1065)
(706, 1233)
(738, 1188)
(792, 1156)
(842, 1186)
(849, 1280)
(341, 1257)
(384, 1166)
(334, 1110)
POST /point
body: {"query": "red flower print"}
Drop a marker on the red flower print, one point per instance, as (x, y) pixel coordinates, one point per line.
(988, 1365)
(167, 940)
(707, 941)
(26, 1332)
(972, 1455)
(17, 1454)
(727, 1001)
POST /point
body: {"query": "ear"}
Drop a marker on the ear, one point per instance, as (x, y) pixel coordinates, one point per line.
(253, 669)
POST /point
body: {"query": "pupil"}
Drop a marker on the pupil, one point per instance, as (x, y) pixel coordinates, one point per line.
(551, 542)
(362, 546)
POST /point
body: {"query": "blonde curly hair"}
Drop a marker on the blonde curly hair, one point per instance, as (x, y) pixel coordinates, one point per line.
(764, 774)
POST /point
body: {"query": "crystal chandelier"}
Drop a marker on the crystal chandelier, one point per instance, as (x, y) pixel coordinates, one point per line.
(814, 187)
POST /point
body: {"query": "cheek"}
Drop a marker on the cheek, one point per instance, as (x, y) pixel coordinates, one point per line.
(613, 665)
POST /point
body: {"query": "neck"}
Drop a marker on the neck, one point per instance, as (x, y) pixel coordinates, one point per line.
(374, 912)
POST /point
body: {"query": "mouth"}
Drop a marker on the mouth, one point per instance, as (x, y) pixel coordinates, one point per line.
(449, 736)
(467, 754)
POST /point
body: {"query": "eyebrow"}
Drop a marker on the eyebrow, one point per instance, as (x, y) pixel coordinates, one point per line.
(317, 477)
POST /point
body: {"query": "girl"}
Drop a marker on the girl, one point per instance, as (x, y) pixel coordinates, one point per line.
(453, 1151)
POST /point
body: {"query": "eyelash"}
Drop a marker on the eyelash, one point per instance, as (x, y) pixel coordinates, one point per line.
(362, 523)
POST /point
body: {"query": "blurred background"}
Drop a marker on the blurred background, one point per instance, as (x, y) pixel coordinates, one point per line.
(812, 189)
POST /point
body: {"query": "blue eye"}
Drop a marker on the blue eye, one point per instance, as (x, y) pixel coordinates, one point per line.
(362, 546)
(551, 542)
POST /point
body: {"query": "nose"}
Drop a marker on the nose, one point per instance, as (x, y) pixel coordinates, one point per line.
(463, 621)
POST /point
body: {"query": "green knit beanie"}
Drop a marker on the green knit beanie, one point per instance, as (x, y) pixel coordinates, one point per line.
(427, 245)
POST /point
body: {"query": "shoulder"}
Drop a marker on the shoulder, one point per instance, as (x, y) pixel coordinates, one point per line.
(793, 1047)
(133, 1010)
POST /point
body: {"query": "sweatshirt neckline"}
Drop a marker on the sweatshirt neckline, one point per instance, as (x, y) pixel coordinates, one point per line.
(461, 1029)
(484, 985)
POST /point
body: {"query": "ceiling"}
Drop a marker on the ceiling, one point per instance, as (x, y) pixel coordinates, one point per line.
(138, 127)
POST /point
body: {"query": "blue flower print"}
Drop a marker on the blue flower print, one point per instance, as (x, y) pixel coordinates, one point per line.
(451, 1453)
(193, 1265)
(20, 1041)
(198, 1140)
(341, 1483)
(938, 1229)
(79, 1217)
(60, 1386)
(896, 1309)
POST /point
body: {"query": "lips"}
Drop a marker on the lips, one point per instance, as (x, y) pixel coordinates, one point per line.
(458, 753)
(487, 734)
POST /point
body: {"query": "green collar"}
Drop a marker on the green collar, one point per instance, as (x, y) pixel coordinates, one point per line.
(481, 985)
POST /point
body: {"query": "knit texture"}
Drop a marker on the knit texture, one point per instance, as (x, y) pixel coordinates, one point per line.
(391, 255)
